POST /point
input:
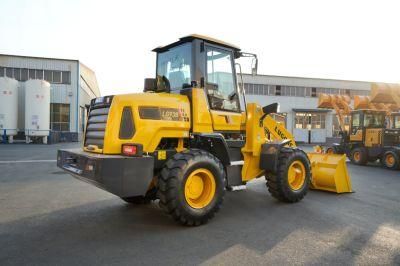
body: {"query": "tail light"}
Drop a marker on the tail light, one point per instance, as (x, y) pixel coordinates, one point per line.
(129, 149)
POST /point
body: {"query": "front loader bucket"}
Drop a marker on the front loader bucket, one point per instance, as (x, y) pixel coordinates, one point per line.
(329, 172)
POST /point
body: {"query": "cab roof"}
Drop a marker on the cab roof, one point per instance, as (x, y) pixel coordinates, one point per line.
(192, 37)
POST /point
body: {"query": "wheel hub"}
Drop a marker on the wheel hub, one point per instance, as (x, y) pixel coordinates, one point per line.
(200, 188)
(357, 156)
(390, 160)
(196, 187)
(296, 175)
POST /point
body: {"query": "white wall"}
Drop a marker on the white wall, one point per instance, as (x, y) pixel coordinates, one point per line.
(60, 93)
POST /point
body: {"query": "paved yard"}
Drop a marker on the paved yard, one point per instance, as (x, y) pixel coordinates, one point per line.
(47, 217)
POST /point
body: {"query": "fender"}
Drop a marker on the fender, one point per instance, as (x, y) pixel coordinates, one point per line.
(270, 155)
(215, 144)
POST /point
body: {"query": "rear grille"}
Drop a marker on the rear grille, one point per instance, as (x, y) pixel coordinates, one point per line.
(96, 124)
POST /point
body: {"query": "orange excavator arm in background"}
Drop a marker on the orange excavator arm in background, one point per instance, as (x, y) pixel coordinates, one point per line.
(339, 103)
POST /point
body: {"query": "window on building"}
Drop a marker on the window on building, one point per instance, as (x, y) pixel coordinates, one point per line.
(59, 116)
(313, 92)
(17, 73)
(307, 92)
(24, 74)
(48, 75)
(301, 120)
(39, 74)
(56, 77)
(310, 120)
(9, 72)
(66, 77)
(318, 120)
(32, 74)
(278, 90)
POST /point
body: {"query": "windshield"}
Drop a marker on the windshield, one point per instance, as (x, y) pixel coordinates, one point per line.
(374, 120)
(175, 64)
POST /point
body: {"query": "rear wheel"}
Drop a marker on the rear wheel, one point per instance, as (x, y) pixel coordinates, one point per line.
(390, 160)
(293, 177)
(358, 156)
(191, 187)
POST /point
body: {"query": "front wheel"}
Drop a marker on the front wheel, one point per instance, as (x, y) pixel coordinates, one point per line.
(293, 177)
(390, 160)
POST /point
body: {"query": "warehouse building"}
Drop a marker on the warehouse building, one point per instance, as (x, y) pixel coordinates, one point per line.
(298, 99)
(72, 86)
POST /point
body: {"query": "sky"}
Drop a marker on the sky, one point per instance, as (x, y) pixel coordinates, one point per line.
(352, 40)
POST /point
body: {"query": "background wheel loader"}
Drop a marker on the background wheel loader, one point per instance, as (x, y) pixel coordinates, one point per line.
(190, 136)
(374, 132)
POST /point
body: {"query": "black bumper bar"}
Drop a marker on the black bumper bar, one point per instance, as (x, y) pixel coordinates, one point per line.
(120, 175)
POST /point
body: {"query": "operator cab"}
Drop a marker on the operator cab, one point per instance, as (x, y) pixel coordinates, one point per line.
(362, 119)
(197, 61)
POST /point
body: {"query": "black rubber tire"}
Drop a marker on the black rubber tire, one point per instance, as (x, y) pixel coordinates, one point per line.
(396, 164)
(278, 184)
(171, 184)
(363, 156)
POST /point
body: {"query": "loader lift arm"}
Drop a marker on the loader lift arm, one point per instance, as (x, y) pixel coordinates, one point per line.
(339, 103)
(277, 131)
(329, 171)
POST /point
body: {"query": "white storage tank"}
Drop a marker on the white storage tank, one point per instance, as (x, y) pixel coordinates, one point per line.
(37, 109)
(8, 108)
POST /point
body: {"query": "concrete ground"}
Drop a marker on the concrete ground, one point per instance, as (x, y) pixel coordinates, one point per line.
(48, 218)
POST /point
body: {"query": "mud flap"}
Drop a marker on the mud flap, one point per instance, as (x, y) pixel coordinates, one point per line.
(329, 172)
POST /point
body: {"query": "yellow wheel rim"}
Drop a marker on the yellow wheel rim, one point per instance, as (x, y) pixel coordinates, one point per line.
(200, 188)
(329, 151)
(389, 160)
(357, 156)
(296, 175)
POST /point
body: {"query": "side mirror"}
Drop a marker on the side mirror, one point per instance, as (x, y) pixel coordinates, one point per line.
(271, 108)
(150, 84)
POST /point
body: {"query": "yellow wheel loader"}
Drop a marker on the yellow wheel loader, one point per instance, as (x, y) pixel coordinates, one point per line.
(370, 135)
(190, 136)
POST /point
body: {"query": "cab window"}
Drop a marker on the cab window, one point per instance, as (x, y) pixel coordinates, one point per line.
(220, 84)
(175, 64)
(355, 123)
(373, 120)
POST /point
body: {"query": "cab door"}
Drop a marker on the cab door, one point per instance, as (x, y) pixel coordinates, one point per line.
(356, 129)
(221, 89)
